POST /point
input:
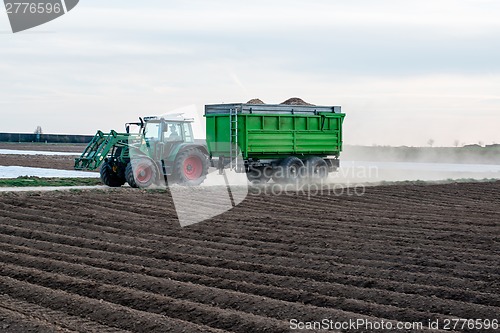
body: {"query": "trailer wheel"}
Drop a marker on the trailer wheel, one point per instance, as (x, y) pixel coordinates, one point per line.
(110, 176)
(317, 168)
(141, 173)
(259, 175)
(191, 167)
(291, 170)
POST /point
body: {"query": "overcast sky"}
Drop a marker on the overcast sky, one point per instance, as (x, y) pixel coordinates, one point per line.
(403, 71)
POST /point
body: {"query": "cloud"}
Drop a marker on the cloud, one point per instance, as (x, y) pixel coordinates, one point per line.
(469, 17)
(392, 65)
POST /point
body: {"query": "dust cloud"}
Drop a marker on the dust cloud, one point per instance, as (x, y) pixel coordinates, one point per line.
(378, 164)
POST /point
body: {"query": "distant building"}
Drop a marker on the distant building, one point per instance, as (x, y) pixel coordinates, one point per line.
(473, 146)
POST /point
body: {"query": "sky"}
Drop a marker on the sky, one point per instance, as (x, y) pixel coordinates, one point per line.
(404, 72)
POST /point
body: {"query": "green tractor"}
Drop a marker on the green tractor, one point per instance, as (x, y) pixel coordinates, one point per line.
(162, 147)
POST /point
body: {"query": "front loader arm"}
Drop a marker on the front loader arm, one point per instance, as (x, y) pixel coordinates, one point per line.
(99, 148)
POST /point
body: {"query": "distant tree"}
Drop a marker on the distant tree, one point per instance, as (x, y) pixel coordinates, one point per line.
(38, 133)
(481, 143)
(456, 143)
(430, 142)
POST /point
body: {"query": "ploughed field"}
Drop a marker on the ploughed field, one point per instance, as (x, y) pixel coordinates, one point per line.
(55, 147)
(112, 261)
(62, 162)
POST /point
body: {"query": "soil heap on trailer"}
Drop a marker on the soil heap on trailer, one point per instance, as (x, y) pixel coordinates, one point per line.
(285, 142)
(162, 147)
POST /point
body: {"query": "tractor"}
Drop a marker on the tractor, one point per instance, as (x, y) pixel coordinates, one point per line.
(162, 147)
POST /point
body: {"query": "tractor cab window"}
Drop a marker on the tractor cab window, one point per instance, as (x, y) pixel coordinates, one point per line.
(173, 132)
(188, 132)
(152, 131)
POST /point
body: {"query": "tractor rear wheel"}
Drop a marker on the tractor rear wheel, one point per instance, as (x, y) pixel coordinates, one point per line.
(141, 173)
(191, 167)
(317, 168)
(110, 176)
(291, 171)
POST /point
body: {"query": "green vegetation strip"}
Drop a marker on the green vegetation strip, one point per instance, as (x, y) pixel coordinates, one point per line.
(37, 182)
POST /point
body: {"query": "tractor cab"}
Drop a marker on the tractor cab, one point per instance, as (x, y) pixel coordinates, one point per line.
(163, 135)
(168, 130)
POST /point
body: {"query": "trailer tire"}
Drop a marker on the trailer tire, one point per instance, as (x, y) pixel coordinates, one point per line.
(290, 171)
(191, 167)
(109, 177)
(317, 168)
(259, 175)
(141, 173)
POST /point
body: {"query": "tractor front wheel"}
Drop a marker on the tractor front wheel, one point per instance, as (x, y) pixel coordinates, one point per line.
(191, 167)
(141, 173)
(110, 175)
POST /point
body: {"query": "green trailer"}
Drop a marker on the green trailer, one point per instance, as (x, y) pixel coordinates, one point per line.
(283, 142)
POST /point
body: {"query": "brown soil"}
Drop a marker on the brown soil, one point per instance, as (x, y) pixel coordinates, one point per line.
(255, 101)
(58, 147)
(117, 261)
(39, 161)
(61, 162)
(295, 101)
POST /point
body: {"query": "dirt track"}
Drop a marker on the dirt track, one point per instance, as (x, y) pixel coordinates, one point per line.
(97, 262)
